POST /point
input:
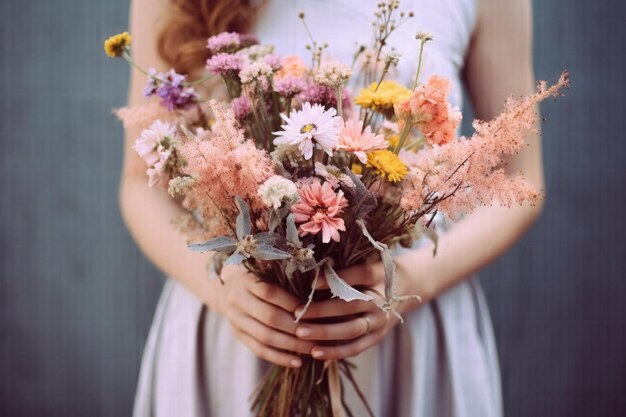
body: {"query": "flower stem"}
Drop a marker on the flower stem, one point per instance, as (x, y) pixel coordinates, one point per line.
(339, 102)
(199, 81)
(419, 64)
(405, 133)
(132, 62)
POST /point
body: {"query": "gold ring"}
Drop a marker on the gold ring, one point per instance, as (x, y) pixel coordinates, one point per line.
(368, 321)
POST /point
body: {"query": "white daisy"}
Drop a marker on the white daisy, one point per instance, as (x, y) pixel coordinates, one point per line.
(313, 125)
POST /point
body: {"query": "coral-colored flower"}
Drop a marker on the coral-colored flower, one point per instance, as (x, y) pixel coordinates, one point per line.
(429, 108)
(353, 138)
(319, 210)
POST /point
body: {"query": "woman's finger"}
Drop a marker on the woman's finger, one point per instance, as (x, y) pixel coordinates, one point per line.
(335, 307)
(350, 349)
(270, 337)
(345, 330)
(275, 295)
(268, 353)
(266, 313)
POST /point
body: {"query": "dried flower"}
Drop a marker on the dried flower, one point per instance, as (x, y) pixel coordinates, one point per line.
(387, 164)
(309, 127)
(116, 45)
(274, 61)
(333, 175)
(333, 74)
(242, 107)
(169, 86)
(225, 64)
(255, 72)
(276, 190)
(424, 36)
(289, 86)
(321, 94)
(223, 42)
(319, 210)
(391, 59)
(179, 185)
(353, 138)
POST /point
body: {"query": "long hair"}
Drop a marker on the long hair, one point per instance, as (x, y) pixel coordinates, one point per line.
(182, 41)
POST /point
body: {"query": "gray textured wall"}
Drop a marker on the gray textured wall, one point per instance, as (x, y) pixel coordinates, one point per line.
(76, 296)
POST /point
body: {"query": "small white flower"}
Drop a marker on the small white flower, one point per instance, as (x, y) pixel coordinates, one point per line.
(255, 52)
(150, 144)
(424, 36)
(276, 190)
(333, 74)
(254, 72)
(309, 127)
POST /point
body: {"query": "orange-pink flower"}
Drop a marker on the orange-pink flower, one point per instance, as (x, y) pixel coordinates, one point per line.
(292, 66)
(353, 138)
(319, 210)
(429, 108)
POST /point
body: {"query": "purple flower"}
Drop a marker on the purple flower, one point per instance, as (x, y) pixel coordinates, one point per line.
(289, 86)
(223, 42)
(169, 86)
(321, 94)
(223, 63)
(241, 107)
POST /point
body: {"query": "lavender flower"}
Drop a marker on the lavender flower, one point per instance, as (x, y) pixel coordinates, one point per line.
(321, 94)
(169, 86)
(274, 61)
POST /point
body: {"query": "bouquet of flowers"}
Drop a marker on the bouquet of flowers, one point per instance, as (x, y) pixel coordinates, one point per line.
(292, 177)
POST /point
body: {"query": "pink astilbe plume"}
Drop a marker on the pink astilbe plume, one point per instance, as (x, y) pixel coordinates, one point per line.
(225, 164)
(467, 173)
(142, 116)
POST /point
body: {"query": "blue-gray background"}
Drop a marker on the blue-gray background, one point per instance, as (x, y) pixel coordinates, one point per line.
(77, 297)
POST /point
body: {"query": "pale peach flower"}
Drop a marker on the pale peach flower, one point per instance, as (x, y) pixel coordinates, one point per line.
(319, 210)
(292, 66)
(353, 138)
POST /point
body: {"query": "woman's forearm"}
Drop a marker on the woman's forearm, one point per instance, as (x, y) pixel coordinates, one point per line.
(473, 243)
(148, 213)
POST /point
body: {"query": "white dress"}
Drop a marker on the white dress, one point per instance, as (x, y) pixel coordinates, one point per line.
(441, 362)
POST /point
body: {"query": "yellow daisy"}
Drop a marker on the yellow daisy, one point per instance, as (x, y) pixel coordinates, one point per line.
(387, 164)
(389, 92)
(115, 46)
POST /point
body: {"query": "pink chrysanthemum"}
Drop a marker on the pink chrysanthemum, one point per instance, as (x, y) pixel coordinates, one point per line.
(319, 210)
(353, 138)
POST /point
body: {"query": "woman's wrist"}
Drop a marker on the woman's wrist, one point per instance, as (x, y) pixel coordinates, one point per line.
(416, 276)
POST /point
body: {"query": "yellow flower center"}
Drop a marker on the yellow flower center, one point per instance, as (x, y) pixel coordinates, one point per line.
(308, 128)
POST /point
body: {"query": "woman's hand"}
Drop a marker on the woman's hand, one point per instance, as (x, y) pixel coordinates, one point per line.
(362, 324)
(262, 317)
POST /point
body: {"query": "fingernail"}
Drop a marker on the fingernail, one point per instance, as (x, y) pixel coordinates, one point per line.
(318, 353)
(296, 362)
(303, 331)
